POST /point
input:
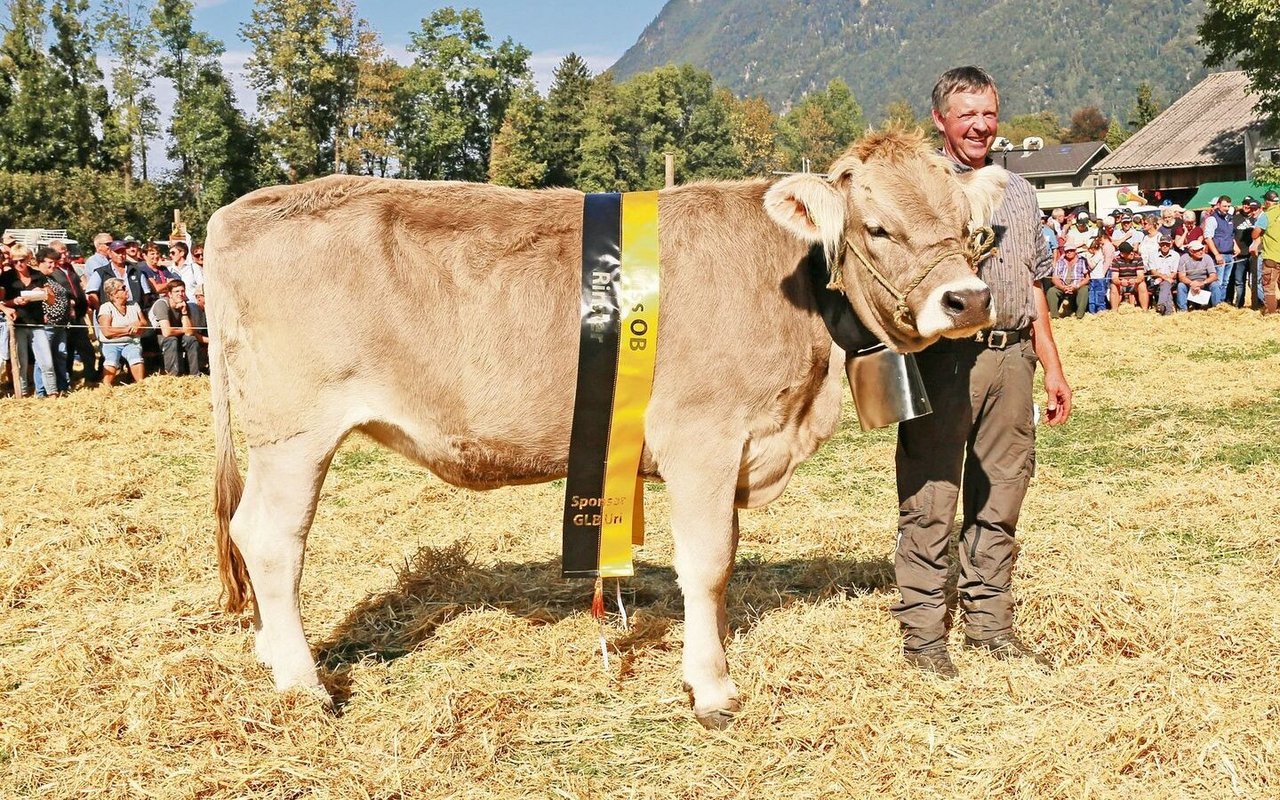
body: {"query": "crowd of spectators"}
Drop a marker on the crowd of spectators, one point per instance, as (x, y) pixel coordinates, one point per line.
(1169, 259)
(143, 306)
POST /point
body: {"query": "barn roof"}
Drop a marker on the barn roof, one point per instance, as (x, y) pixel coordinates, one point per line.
(1053, 159)
(1204, 127)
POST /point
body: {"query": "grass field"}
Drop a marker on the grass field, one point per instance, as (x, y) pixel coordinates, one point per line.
(464, 667)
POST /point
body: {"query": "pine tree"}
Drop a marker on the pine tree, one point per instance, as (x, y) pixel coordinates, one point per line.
(76, 89)
(130, 41)
(1144, 108)
(1116, 134)
(564, 120)
(514, 160)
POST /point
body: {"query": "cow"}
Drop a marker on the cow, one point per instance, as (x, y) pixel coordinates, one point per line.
(460, 350)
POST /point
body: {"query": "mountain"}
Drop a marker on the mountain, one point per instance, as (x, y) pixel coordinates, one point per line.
(1053, 55)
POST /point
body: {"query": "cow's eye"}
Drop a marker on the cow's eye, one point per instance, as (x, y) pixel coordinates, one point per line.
(877, 232)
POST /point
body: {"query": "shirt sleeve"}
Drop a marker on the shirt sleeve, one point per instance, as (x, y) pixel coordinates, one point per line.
(1261, 222)
(1210, 225)
(1042, 263)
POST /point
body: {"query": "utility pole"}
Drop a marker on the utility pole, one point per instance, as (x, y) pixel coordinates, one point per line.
(671, 170)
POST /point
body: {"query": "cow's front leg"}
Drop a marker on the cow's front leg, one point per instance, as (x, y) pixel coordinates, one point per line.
(705, 526)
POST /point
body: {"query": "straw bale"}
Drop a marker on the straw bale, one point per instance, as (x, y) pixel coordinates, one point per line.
(463, 666)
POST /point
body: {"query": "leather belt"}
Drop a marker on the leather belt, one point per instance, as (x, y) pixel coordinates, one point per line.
(999, 340)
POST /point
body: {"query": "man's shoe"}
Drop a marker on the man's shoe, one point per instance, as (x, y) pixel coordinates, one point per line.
(1007, 646)
(935, 660)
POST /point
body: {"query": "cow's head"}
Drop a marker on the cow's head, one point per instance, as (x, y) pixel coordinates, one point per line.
(898, 226)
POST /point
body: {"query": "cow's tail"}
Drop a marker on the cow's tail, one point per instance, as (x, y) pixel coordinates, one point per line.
(228, 486)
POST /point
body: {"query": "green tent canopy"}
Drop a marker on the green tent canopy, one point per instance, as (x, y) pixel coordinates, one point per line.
(1208, 193)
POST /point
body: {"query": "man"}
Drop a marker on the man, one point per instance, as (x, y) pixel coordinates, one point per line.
(1248, 267)
(1128, 273)
(1049, 233)
(1220, 240)
(1126, 232)
(200, 324)
(79, 344)
(1196, 273)
(977, 436)
(1070, 284)
(1060, 224)
(191, 273)
(1081, 234)
(1267, 240)
(100, 258)
(1162, 275)
(136, 283)
(155, 268)
(172, 317)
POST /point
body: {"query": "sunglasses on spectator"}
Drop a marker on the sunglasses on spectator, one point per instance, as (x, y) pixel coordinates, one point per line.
(198, 254)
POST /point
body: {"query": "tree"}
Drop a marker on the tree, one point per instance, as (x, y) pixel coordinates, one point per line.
(210, 140)
(898, 113)
(1145, 107)
(366, 143)
(514, 159)
(755, 136)
(454, 95)
(1088, 124)
(76, 88)
(1244, 33)
(822, 126)
(604, 163)
(1116, 134)
(294, 68)
(564, 120)
(24, 81)
(1044, 124)
(131, 46)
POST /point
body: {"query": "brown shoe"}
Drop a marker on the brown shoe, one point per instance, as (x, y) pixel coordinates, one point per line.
(1007, 646)
(935, 660)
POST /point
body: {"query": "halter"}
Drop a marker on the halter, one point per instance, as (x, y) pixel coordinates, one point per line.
(980, 245)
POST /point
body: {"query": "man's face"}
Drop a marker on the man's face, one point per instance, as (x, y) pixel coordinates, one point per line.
(969, 125)
(197, 255)
(200, 299)
(116, 256)
(1058, 214)
(102, 246)
(1069, 254)
(1165, 247)
(1224, 206)
(152, 257)
(177, 296)
(133, 252)
(46, 265)
(179, 254)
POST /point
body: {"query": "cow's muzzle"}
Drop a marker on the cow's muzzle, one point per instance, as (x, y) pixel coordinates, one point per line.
(968, 307)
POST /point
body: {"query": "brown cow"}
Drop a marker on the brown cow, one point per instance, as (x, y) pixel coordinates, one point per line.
(460, 350)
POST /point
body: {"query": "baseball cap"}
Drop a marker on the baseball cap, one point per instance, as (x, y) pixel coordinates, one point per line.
(1271, 196)
(1193, 245)
(1166, 239)
(1250, 202)
(117, 246)
(1125, 247)
(1126, 214)
(1108, 220)
(1083, 218)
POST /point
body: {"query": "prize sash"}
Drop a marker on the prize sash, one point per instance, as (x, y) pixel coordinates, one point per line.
(604, 494)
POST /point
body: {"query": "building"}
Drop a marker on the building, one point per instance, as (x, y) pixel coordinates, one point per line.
(1061, 173)
(1199, 139)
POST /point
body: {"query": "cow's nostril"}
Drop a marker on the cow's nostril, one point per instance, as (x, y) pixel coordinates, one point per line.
(966, 301)
(954, 303)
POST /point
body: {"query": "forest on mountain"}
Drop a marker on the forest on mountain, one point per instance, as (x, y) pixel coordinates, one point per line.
(1047, 55)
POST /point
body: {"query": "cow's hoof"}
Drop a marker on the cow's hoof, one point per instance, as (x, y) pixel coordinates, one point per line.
(717, 719)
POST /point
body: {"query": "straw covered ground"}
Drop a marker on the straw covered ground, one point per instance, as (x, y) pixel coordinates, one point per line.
(464, 667)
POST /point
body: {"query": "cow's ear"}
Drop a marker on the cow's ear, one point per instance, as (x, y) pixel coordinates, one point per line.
(809, 207)
(984, 188)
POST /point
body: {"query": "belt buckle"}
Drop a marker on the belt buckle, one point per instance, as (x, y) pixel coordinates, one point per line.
(1003, 341)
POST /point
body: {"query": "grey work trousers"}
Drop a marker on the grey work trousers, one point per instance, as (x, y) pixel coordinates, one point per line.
(980, 438)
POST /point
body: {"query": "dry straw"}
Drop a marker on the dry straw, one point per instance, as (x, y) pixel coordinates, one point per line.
(464, 667)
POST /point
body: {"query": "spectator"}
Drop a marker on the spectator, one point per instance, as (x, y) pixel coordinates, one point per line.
(100, 257)
(1127, 283)
(1266, 234)
(1246, 272)
(1150, 243)
(200, 322)
(57, 313)
(1162, 276)
(1191, 232)
(1125, 232)
(157, 271)
(120, 323)
(1220, 241)
(139, 288)
(79, 344)
(1099, 254)
(172, 317)
(191, 272)
(133, 251)
(1070, 284)
(1080, 235)
(1169, 224)
(1196, 273)
(25, 295)
(1059, 221)
(1049, 233)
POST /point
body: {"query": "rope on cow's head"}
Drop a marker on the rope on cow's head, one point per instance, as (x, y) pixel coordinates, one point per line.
(980, 246)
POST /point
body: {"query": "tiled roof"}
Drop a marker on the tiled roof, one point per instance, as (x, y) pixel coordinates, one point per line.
(1053, 159)
(1204, 127)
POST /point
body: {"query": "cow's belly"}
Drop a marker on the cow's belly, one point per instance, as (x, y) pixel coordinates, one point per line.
(780, 441)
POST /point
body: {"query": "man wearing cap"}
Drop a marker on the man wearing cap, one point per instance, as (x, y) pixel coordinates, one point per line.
(1162, 274)
(1196, 272)
(1069, 284)
(979, 437)
(1125, 232)
(1220, 241)
(1246, 267)
(1267, 241)
(1127, 278)
(140, 291)
(1080, 234)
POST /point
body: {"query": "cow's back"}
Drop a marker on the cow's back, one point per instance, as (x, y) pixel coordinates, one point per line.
(442, 318)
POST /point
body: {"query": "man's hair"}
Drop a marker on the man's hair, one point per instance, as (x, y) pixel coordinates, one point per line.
(180, 246)
(47, 252)
(102, 238)
(151, 247)
(962, 79)
(110, 285)
(198, 291)
(175, 284)
(1226, 197)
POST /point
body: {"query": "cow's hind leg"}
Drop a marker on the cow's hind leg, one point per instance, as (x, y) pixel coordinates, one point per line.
(270, 530)
(705, 526)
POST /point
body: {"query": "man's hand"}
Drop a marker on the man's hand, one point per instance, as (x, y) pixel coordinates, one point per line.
(1058, 408)
(1217, 259)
